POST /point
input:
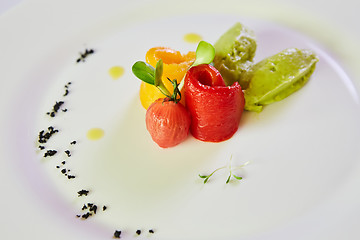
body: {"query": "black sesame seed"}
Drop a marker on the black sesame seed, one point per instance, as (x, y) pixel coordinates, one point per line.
(63, 171)
(151, 231)
(86, 215)
(138, 232)
(84, 207)
(45, 136)
(57, 106)
(93, 209)
(117, 234)
(83, 192)
(41, 147)
(85, 54)
(104, 208)
(73, 143)
(70, 176)
(68, 153)
(57, 166)
(55, 109)
(63, 162)
(50, 153)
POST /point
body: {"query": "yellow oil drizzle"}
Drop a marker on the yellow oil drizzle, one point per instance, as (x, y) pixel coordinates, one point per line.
(95, 134)
(116, 72)
(192, 38)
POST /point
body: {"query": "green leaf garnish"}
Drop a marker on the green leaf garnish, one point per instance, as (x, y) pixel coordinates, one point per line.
(158, 73)
(205, 53)
(147, 73)
(144, 72)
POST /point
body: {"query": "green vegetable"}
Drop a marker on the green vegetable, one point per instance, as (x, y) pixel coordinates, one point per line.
(234, 54)
(278, 76)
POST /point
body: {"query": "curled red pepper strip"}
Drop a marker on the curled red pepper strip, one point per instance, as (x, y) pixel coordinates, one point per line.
(215, 109)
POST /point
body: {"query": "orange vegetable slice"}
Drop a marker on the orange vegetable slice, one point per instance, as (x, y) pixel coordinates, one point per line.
(175, 67)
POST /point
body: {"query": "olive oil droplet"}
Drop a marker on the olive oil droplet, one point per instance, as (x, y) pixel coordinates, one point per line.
(192, 38)
(116, 72)
(95, 134)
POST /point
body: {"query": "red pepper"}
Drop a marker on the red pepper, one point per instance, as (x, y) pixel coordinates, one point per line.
(215, 109)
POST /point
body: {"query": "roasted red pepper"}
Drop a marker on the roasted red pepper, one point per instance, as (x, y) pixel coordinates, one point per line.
(215, 109)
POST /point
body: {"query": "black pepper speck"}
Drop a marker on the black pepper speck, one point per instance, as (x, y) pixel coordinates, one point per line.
(50, 153)
(117, 234)
(68, 153)
(45, 136)
(83, 193)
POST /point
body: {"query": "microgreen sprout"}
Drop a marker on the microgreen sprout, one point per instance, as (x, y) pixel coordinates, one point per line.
(230, 168)
(147, 73)
(205, 53)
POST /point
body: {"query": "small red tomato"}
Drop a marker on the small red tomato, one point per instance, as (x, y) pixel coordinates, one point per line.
(167, 122)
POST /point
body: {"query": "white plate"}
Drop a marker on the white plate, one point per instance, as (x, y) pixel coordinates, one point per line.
(303, 177)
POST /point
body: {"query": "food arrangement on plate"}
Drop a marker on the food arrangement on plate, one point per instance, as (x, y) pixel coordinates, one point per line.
(203, 93)
(218, 83)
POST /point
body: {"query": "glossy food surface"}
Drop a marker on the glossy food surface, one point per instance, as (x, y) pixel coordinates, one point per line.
(278, 76)
(215, 108)
(167, 122)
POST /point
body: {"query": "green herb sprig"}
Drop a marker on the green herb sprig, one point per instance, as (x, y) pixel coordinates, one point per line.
(231, 174)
